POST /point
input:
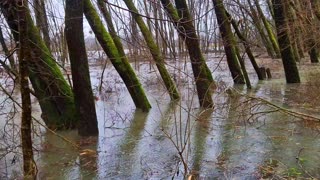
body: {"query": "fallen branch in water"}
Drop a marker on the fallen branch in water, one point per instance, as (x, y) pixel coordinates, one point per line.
(277, 107)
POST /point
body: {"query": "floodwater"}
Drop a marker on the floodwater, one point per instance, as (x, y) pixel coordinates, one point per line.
(240, 138)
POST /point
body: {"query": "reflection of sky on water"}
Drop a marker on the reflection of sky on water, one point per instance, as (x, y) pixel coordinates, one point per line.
(222, 144)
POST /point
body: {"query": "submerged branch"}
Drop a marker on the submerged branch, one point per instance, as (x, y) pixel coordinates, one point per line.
(279, 108)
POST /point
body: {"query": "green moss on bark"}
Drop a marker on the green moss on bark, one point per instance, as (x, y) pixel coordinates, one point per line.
(288, 59)
(268, 28)
(51, 89)
(155, 51)
(229, 42)
(182, 20)
(121, 64)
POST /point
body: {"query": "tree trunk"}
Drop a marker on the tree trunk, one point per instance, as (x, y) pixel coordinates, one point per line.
(184, 25)
(294, 34)
(314, 55)
(289, 63)
(269, 3)
(315, 4)
(155, 51)
(29, 169)
(84, 99)
(8, 54)
(42, 20)
(51, 89)
(229, 42)
(268, 28)
(298, 27)
(114, 50)
(247, 47)
(313, 48)
(259, 27)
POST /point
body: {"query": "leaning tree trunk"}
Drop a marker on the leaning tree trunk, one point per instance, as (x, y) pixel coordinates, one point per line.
(114, 50)
(288, 60)
(154, 50)
(29, 168)
(259, 27)
(8, 55)
(184, 25)
(247, 47)
(313, 23)
(315, 4)
(268, 28)
(51, 89)
(228, 41)
(292, 25)
(83, 96)
(42, 20)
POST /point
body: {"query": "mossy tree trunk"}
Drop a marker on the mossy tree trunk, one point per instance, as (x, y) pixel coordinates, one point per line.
(184, 25)
(83, 96)
(289, 63)
(29, 168)
(269, 3)
(315, 4)
(51, 89)
(267, 26)
(114, 50)
(294, 35)
(314, 55)
(257, 23)
(296, 7)
(229, 42)
(7, 53)
(313, 24)
(247, 47)
(154, 50)
(42, 20)
(243, 67)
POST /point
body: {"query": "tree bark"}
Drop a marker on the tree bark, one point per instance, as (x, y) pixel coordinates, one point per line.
(114, 50)
(315, 4)
(268, 28)
(51, 89)
(184, 25)
(42, 20)
(84, 100)
(259, 27)
(29, 169)
(8, 54)
(288, 60)
(229, 42)
(155, 51)
(313, 48)
(247, 47)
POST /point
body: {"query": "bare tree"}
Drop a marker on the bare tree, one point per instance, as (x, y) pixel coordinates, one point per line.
(289, 62)
(29, 168)
(84, 101)
(182, 20)
(155, 51)
(111, 44)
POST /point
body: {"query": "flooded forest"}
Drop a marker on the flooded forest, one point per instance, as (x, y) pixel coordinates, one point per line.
(159, 89)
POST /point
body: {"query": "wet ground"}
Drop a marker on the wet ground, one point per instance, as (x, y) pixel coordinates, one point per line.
(241, 138)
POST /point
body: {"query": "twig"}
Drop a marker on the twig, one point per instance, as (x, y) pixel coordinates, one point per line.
(281, 109)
